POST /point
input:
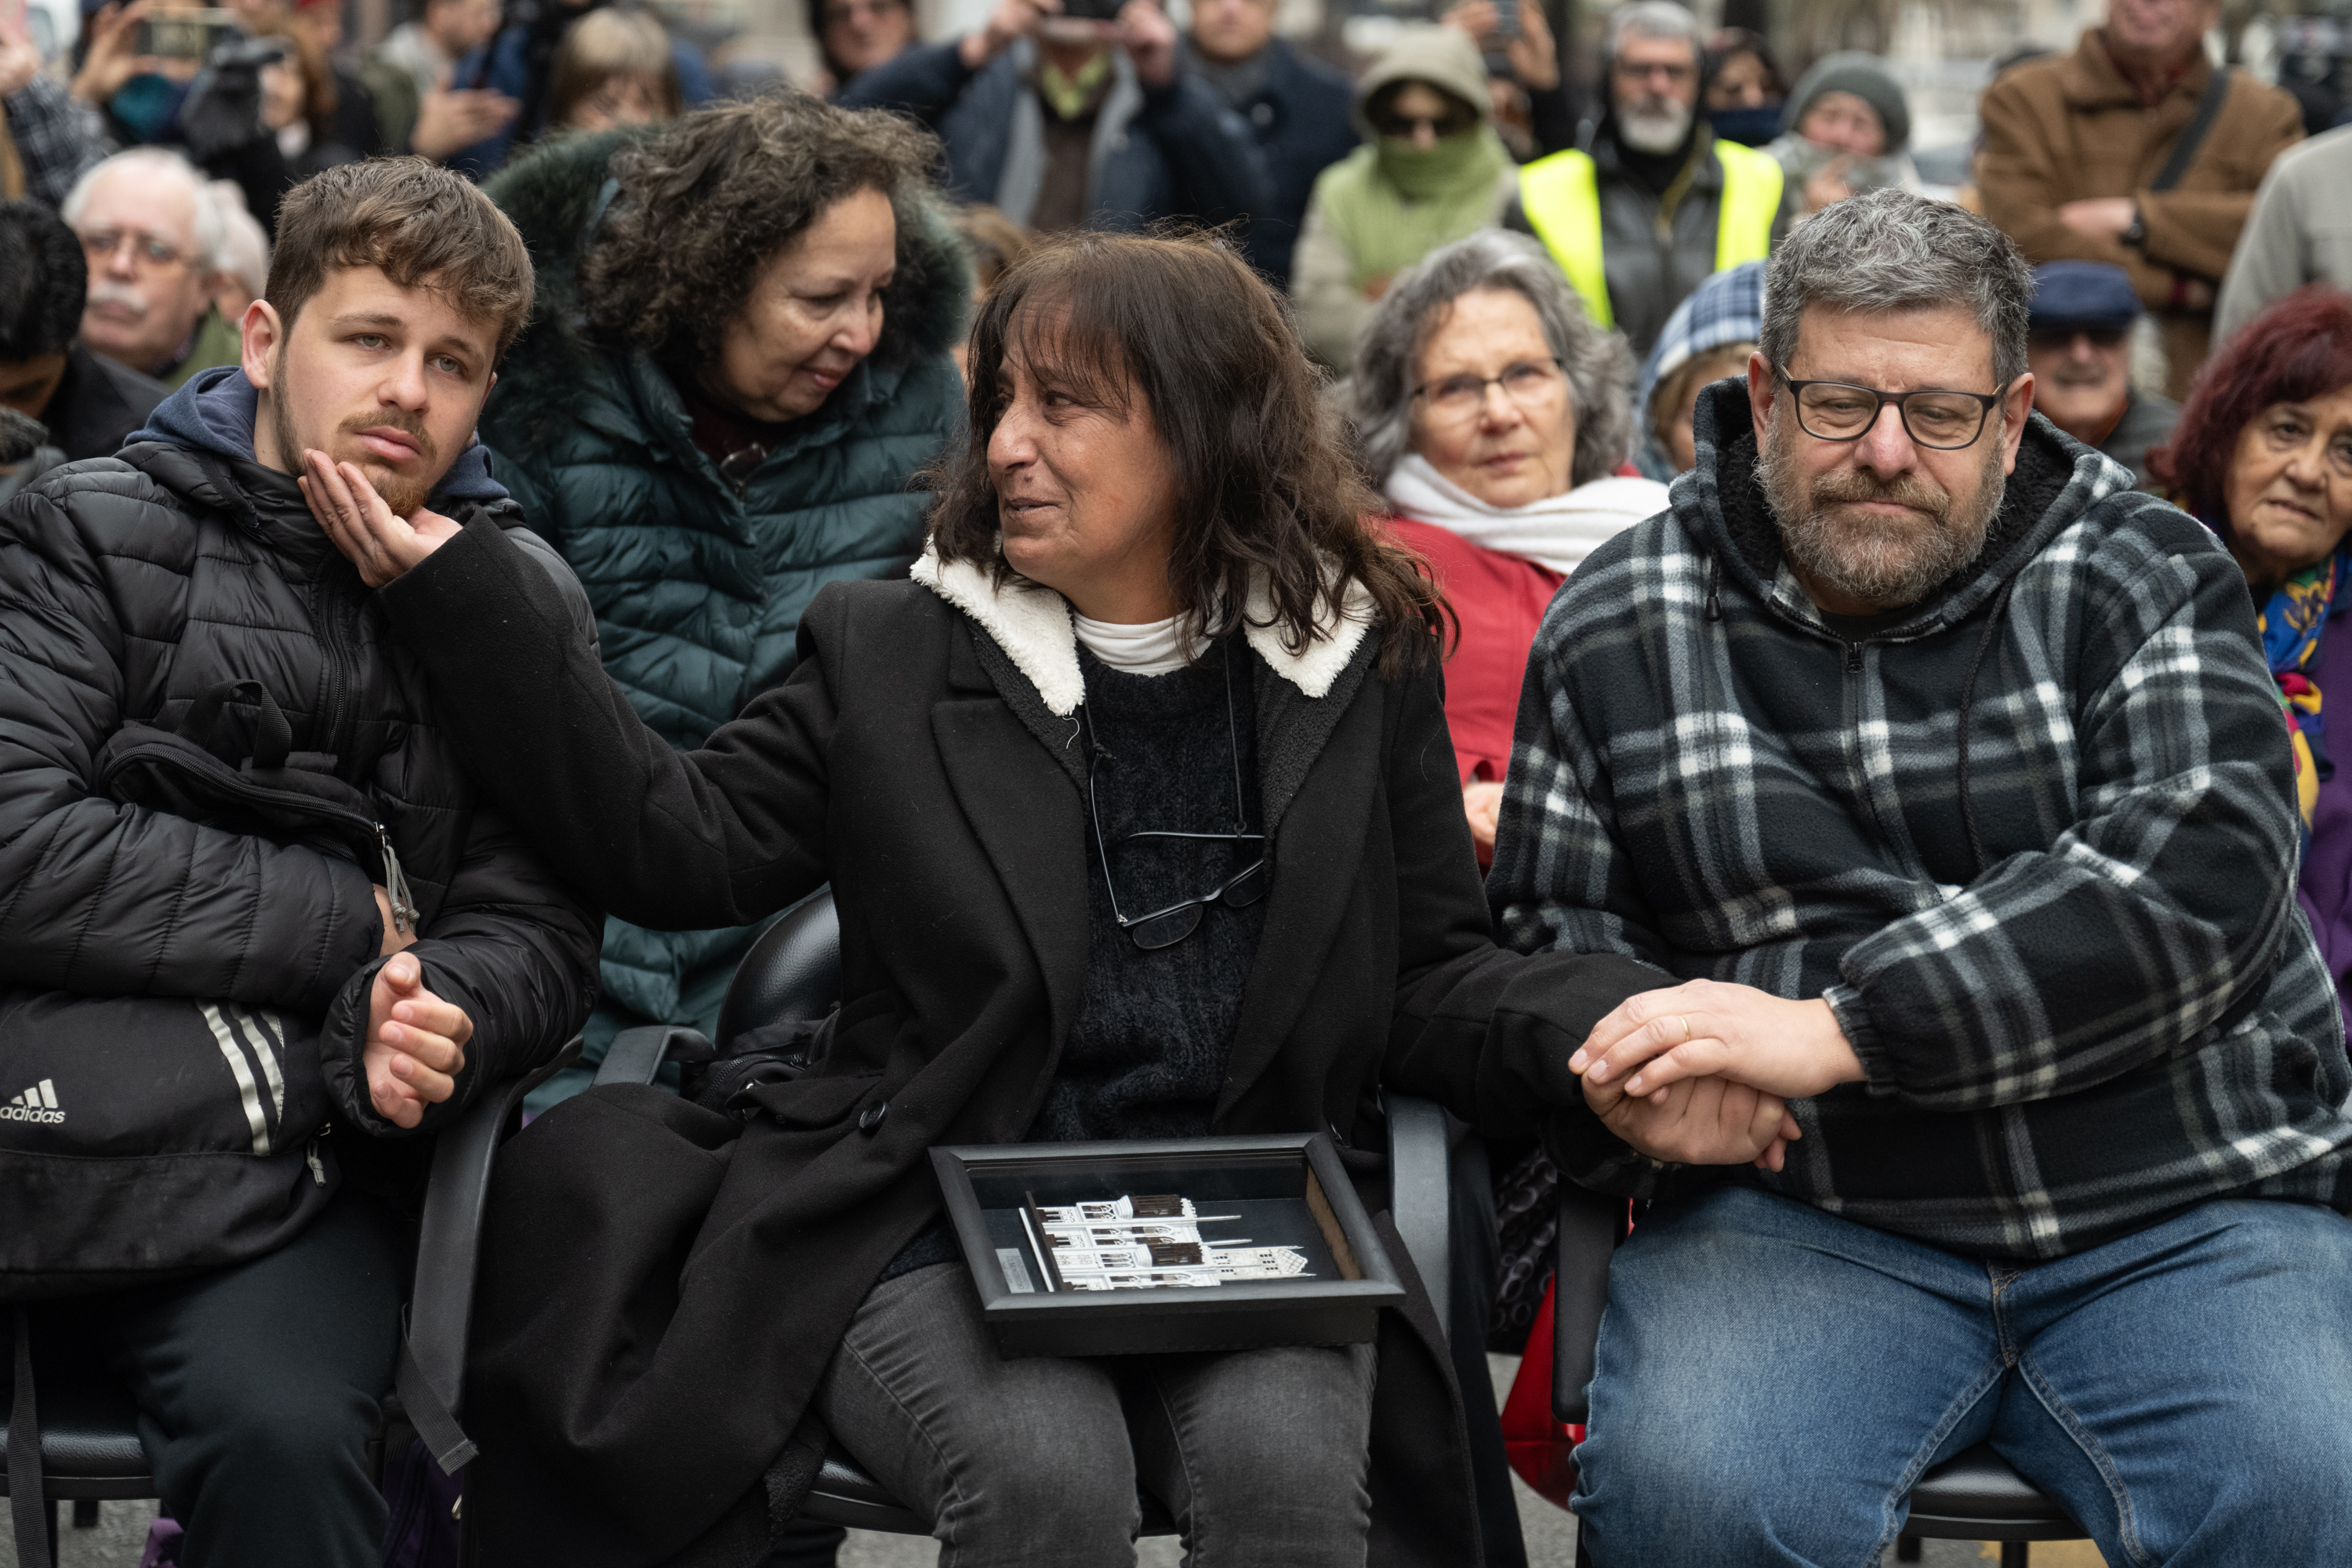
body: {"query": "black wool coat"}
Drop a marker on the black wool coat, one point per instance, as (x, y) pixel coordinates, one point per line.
(664, 1285)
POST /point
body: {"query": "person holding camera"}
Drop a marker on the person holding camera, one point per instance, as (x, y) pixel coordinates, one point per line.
(1076, 114)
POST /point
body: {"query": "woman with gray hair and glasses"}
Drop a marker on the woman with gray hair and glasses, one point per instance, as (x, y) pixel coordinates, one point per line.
(1494, 415)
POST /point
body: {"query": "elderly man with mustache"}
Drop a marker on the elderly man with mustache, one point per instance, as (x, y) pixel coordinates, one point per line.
(154, 236)
(1991, 1088)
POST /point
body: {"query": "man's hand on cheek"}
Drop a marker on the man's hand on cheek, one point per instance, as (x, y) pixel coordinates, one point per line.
(415, 1044)
(375, 539)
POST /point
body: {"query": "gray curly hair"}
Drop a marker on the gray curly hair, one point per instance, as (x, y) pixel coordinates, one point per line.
(1600, 365)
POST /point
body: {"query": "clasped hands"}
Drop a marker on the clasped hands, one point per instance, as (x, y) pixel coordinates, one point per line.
(1700, 1074)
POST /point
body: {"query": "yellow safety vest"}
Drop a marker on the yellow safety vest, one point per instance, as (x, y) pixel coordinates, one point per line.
(1561, 198)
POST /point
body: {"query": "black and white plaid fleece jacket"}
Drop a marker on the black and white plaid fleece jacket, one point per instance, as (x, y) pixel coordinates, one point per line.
(2118, 1012)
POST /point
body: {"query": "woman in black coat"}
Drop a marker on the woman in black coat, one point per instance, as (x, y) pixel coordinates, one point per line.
(965, 758)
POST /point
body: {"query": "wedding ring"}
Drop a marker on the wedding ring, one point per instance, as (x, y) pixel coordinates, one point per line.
(1686, 1034)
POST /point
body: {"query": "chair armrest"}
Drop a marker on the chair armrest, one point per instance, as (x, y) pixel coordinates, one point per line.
(1590, 1224)
(441, 1310)
(1419, 1196)
(794, 971)
(637, 1053)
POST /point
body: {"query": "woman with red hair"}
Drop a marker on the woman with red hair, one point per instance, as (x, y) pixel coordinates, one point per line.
(2263, 456)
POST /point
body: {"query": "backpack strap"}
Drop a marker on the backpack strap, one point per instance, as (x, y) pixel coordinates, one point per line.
(273, 739)
(2192, 135)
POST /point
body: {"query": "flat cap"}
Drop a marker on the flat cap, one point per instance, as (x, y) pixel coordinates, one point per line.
(2082, 294)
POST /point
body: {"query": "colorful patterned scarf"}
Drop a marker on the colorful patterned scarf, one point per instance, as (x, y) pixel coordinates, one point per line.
(2291, 624)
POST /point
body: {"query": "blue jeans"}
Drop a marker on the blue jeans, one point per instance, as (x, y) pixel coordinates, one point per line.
(1772, 1379)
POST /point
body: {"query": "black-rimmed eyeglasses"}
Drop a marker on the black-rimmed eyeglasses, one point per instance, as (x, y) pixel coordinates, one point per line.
(1167, 927)
(1934, 417)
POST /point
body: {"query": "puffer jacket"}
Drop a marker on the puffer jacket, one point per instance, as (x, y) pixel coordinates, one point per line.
(132, 585)
(699, 583)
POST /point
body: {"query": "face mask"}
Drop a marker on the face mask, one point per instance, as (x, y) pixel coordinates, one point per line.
(1421, 173)
(1748, 127)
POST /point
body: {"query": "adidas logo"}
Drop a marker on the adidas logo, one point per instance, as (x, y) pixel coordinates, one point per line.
(38, 1103)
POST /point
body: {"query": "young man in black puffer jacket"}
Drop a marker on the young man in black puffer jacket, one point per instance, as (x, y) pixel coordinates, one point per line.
(174, 614)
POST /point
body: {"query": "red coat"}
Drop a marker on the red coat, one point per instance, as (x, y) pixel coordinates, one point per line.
(1500, 600)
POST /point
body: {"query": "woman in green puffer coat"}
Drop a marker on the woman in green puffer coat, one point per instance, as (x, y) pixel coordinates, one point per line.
(738, 362)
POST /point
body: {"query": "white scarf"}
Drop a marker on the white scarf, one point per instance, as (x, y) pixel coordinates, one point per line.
(1557, 531)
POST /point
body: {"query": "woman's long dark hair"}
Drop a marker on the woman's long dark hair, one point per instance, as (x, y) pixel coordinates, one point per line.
(1266, 486)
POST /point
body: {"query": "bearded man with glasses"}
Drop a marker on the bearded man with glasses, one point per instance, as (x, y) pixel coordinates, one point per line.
(1942, 771)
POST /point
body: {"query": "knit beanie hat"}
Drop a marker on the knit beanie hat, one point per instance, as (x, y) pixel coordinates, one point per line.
(1864, 76)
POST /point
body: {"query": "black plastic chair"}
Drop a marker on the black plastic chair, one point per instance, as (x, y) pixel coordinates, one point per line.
(90, 1450)
(794, 971)
(1974, 1496)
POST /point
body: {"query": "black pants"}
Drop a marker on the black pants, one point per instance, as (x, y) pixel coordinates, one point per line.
(259, 1388)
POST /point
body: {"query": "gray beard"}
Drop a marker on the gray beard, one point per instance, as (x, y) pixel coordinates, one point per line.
(1885, 562)
(1653, 133)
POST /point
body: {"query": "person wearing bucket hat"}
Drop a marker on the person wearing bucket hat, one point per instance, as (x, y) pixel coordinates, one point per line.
(2079, 347)
(1431, 171)
(1845, 130)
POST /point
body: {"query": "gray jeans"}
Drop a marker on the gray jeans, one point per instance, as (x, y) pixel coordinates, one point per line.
(1259, 1456)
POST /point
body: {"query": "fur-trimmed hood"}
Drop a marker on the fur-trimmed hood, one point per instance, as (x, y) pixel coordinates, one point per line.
(1032, 624)
(555, 193)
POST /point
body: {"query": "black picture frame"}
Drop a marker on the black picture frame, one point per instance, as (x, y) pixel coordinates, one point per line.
(1246, 1315)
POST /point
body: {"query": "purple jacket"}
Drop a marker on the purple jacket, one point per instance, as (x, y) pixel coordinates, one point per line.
(2326, 886)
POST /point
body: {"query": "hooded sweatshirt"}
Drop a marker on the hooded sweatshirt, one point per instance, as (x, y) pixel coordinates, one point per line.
(1388, 204)
(2034, 842)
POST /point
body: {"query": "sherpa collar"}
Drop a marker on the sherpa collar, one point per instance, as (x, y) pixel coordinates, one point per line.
(1032, 624)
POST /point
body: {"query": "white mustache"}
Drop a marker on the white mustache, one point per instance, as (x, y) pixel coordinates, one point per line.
(104, 291)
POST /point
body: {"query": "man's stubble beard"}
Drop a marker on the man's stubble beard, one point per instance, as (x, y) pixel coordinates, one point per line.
(1886, 563)
(402, 494)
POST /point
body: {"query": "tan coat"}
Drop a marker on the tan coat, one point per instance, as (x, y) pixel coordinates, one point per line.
(2069, 127)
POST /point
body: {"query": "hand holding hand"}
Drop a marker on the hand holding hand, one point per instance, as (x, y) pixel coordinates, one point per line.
(1708, 1027)
(449, 122)
(380, 543)
(1711, 1122)
(1149, 40)
(2099, 217)
(415, 1044)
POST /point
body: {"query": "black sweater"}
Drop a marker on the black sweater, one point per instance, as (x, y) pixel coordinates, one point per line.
(1147, 1055)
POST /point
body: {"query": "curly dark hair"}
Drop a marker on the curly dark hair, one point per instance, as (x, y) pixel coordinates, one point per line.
(703, 206)
(2299, 348)
(42, 279)
(1182, 322)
